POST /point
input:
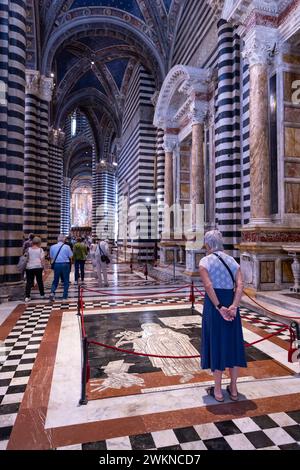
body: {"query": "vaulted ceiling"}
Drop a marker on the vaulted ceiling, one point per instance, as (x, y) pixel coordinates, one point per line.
(92, 46)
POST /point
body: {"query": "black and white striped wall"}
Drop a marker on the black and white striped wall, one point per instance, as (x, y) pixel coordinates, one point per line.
(137, 163)
(12, 109)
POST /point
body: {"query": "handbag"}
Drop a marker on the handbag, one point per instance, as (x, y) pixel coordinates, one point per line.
(53, 264)
(22, 264)
(104, 258)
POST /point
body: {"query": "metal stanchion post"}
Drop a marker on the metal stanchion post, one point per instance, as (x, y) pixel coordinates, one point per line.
(174, 266)
(85, 346)
(192, 297)
(79, 301)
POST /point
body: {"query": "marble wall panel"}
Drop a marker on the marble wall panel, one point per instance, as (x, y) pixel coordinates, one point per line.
(292, 170)
(289, 78)
(292, 198)
(292, 142)
(286, 270)
(267, 272)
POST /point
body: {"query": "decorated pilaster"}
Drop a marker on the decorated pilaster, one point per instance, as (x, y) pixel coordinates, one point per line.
(65, 223)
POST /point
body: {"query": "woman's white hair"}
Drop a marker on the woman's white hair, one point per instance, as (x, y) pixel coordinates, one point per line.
(214, 240)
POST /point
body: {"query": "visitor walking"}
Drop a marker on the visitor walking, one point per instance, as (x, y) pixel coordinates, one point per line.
(34, 268)
(80, 253)
(93, 249)
(61, 259)
(102, 261)
(28, 243)
(222, 343)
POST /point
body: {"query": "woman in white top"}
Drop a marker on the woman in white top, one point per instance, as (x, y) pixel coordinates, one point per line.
(222, 343)
(34, 268)
(93, 249)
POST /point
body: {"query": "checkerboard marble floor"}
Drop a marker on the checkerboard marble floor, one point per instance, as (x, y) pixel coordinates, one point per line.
(277, 431)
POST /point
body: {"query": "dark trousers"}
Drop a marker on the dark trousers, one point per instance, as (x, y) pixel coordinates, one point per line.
(61, 270)
(31, 274)
(79, 266)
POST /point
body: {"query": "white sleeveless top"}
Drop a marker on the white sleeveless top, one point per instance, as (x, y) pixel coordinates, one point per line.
(217, 272)
(36, 257)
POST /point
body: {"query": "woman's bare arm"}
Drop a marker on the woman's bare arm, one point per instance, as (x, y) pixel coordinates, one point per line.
(238, 292)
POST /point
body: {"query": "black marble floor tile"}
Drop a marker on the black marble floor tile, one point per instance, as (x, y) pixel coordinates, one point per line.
(295, 415)
(142, 442)
(5, 433)
(177, 447)
(27, 361)
(227, 428)
(4, 382)
(259, 439)
(186, 435)
(293, 431)
(264, 422)
(22, 373)
(101, 445)
(217, 444)
(10, 408)
(293, 446)
(8, 368)
(16, 389)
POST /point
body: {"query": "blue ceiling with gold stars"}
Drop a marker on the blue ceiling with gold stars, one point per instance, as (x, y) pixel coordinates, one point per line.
(130, 6)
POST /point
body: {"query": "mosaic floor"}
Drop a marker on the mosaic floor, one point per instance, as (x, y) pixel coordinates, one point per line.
(140, 403)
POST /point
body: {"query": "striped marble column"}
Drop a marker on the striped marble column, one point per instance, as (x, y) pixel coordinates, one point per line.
(228, 137)
(55, 182)
(12, 109)
(160, 181)
(105, 197)
(36, 163)
(65, 223)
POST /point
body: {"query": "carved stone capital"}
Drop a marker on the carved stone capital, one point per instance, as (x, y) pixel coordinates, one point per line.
(260, 45)
(170, 143)
(56, 138)
(46, 88)
(32, 82)
(199, 110)
(38, 85)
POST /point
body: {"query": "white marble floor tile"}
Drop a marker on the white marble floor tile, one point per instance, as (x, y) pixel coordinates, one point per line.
(6, 375)
(239, 442)
(19, 381)
(12, 398)
(3, 445)
(3, 390)
(24, 367)
(197, 445)
(282, 419)
(279, 436)
(7, 420)
(119, 443)
(270, 448)
(207, 431)
(246, 425)
(73, 447)
(165, 438)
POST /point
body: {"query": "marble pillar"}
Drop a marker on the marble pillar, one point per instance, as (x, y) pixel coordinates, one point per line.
(258, 43)
(170, 143)
(197, 172)
(55, 182)
(12, 110)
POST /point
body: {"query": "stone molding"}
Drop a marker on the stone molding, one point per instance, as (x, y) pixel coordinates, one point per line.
(170, 143)
(260, 45)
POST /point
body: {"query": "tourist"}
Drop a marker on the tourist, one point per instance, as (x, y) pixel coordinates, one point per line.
(222, 343)
(93, 249)
(34, 268)
(80, 253)
(102, 260)
(61, 259)
(28, 243)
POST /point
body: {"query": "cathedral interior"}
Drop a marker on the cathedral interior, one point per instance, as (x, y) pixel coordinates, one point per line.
(147, 124)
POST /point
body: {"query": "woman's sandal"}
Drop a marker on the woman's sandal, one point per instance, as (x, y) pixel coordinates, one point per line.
(211, 392)
(231, 396)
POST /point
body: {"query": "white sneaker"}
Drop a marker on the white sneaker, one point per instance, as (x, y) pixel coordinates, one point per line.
(28, 299)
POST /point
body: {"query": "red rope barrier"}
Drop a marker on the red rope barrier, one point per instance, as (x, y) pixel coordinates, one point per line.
(137, 295)
(270, 311)
(134, 353)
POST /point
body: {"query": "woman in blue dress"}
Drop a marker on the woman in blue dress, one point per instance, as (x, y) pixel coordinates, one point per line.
(222, 342)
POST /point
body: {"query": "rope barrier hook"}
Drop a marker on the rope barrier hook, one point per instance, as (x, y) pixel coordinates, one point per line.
(294, 350)
(192, 296)
(85, 371)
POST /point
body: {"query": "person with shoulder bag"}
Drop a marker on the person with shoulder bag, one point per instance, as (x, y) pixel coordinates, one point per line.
(222, 342)
(102, 261)
(34, 268)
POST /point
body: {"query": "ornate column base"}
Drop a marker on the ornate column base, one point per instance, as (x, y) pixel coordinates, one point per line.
(13, 291)
(193, 257)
